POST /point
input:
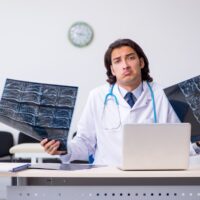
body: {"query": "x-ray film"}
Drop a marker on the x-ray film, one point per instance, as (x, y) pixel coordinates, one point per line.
(185, 99)
(38, 110)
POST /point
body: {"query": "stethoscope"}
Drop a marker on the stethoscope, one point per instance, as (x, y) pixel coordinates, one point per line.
(110, 94)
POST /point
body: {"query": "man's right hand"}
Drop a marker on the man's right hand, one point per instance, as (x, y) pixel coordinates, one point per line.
(51, 147)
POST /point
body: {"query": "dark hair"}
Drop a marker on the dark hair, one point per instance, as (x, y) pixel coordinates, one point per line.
(126, 42)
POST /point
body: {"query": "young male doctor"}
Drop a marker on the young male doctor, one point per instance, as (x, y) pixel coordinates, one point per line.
(130, 97)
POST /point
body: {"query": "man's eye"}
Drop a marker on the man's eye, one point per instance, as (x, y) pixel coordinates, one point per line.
(131, 57)
(116, 61)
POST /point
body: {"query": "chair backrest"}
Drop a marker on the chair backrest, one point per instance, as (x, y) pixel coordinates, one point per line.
(6, 142)
(23, 138)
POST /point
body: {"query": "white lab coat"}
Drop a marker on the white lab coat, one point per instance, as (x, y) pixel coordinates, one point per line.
(105, 145)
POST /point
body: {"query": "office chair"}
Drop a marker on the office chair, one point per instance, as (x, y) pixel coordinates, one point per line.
(28, 149)
(6, 142)
(23, 138)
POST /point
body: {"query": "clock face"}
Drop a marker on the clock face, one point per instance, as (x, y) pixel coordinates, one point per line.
(80, 34)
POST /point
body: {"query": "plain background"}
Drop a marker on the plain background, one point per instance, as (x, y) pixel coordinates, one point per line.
(34, 43)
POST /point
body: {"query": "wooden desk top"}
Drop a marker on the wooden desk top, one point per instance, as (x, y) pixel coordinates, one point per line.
(107, 172)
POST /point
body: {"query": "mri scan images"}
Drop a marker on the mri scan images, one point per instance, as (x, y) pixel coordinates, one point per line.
(38, 110)
(191, 91)
(185, 99)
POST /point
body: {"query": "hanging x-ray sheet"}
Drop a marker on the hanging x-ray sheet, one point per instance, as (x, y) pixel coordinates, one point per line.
(38, 110)
(185, 99)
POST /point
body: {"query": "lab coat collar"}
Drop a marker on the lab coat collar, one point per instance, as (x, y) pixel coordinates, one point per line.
(136, 92)
(142, 101)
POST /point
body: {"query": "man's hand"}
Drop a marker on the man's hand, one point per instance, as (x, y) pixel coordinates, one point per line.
(198, 143)
(51, 147)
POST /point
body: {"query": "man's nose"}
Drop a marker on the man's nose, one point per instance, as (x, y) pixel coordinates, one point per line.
(125, 64)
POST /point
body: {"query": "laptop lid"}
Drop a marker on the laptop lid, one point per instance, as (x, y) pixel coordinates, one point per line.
(156, 146)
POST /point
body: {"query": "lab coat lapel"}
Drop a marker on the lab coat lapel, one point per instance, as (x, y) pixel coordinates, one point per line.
(122, 101)
(144, 98)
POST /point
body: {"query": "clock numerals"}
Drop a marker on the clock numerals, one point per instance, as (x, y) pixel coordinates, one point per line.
(80, 34)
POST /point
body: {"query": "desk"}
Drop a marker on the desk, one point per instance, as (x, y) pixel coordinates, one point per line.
(104, 183)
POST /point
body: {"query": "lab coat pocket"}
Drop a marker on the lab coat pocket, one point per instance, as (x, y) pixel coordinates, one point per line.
(112, 131)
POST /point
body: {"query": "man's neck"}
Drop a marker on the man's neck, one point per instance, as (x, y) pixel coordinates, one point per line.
(130, 87)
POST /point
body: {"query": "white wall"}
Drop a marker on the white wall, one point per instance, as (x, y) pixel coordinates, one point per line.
(34, 44)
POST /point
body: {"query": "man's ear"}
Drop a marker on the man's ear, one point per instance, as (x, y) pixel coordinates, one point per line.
(142, 63)
(112, 70)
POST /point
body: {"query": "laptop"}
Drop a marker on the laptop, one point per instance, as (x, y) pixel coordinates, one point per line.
(156, 146)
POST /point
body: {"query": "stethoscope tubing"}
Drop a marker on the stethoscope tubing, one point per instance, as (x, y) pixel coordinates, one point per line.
(110, 93)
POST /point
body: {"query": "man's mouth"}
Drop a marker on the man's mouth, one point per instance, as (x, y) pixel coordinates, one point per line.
(126, 73)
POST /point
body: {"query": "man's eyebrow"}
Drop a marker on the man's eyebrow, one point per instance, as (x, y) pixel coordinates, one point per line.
(129, 54)
(116, 58)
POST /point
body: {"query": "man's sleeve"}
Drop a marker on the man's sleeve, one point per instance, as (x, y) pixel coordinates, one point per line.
(84, 143)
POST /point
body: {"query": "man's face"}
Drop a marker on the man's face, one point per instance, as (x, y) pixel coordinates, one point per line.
(126, 66)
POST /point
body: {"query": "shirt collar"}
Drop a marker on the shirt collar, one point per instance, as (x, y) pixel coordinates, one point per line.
(136, 92)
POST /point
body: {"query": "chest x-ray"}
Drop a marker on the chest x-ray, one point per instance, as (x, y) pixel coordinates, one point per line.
(185, 99)
(38, 110)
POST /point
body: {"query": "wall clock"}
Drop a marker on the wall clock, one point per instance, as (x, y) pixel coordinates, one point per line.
(80, 34)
